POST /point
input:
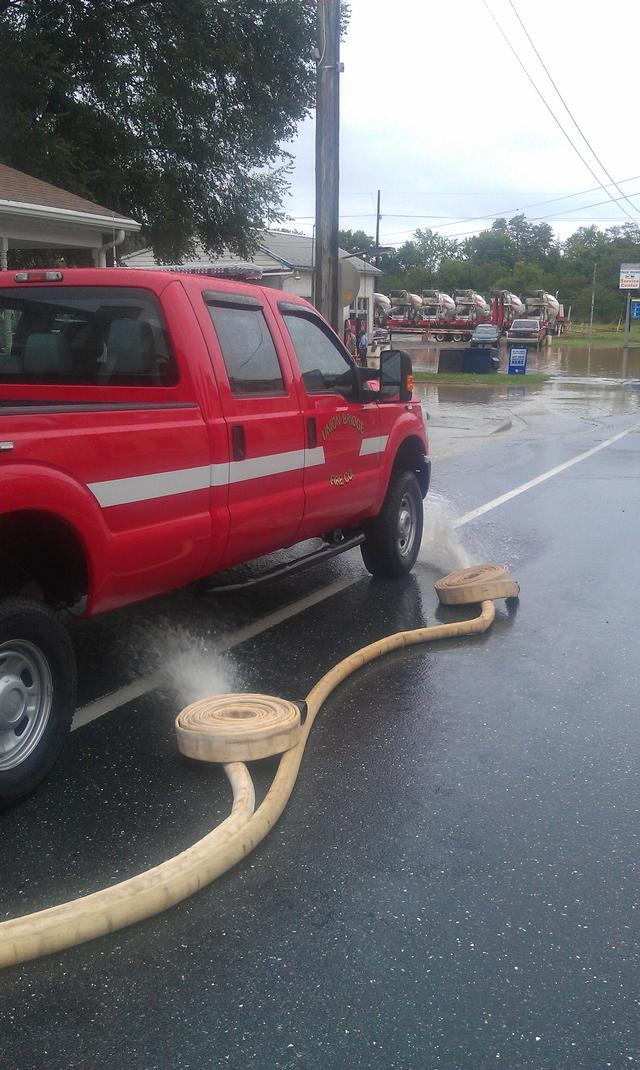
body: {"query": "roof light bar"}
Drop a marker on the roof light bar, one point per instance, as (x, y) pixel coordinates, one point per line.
(38, 276)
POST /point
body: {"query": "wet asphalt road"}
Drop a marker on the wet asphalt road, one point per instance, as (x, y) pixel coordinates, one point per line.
(454, 883)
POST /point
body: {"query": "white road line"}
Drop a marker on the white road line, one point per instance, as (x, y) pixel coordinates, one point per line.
(495, 502)
(144, 684)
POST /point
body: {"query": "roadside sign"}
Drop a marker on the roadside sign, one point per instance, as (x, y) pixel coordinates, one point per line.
(629, 277)
(518, 360)
(635, 309)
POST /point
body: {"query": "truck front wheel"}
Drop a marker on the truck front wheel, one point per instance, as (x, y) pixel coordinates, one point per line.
(37, 694)
(393, 537)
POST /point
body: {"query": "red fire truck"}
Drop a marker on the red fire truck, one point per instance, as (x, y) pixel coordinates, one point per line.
(157, 428)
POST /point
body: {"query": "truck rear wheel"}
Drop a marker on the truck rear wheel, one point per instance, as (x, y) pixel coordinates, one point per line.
(393, 537)
(37, 694)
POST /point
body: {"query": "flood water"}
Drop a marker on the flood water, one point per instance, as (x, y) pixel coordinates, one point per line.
(575, 361)
(588, 386)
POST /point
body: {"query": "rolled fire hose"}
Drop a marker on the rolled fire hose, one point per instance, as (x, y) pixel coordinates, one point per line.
(234, 729)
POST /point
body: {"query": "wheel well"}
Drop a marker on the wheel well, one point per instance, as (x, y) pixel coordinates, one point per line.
(40, 555)
(410, 457)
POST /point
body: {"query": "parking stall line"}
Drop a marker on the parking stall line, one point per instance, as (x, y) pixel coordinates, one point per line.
(144, 684)
(495, 502)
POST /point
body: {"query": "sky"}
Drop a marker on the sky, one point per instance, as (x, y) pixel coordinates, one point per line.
(437, 113)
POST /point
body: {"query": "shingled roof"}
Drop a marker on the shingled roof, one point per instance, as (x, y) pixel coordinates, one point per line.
(277, 249)
(19, 189)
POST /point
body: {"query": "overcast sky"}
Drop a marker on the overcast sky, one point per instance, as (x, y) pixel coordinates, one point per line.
(437, 114)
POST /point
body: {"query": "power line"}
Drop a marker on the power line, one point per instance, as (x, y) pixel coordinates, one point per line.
(569, 112)
(455, 221)
(450, 192)
(534, 219)
(549, 108)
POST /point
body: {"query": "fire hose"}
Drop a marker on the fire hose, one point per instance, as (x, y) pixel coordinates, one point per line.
(233, 729)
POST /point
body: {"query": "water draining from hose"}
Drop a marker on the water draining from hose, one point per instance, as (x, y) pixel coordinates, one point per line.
(234, 729)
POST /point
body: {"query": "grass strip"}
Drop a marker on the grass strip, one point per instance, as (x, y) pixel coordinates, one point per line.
(602, 340)
(476, 379)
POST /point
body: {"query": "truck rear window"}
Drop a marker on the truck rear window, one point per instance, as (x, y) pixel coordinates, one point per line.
(84, 335)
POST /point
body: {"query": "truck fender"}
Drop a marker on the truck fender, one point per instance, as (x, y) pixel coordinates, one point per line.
(407, 444)
(38, 489)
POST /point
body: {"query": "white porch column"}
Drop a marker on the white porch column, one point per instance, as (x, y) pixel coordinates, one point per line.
(6, 337)
(99, 257)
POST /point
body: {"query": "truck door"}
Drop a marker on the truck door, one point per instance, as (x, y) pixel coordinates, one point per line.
(265, 426)
(97, 394)
(342, 471)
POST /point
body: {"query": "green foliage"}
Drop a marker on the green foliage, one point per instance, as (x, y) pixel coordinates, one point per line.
(356, 241)
(518, 255)
(168, 111)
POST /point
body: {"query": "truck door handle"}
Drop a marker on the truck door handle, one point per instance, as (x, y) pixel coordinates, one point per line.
(238, 442)
(312, 433)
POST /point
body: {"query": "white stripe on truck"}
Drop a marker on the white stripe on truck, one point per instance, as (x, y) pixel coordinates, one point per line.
(373, 445)
(131, 489)
(158, 485)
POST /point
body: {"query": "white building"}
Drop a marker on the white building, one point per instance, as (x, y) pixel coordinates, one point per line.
(283, 260)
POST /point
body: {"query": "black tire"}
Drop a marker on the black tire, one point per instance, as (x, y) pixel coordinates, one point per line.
(37, 694)
(385, 552)
(439, 337)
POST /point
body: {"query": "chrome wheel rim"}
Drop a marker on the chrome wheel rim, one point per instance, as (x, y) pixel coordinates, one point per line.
(26, 691)
(407, 525)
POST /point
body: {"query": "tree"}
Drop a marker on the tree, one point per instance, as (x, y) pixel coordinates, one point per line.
(169, 111)
(491, 246)
(357, 241)
(433, 248)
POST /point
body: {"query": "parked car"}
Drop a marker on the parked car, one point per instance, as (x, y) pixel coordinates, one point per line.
(380, 338)
(159, 428)
(485, 334)
(527, 330)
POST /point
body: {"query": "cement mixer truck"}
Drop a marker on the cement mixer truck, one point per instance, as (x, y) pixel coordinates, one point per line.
(447, 319)
(505, 308)
(405, 309)
(437, 306)
(544, 307)
(381, 309)
(469, 309)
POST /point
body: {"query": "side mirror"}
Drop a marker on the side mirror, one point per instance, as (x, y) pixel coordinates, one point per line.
(396, 374)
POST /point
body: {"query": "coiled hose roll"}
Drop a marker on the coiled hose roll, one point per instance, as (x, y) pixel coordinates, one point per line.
(234, 729)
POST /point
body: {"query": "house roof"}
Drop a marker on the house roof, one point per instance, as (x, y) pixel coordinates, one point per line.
(21, 191)
(298, 251)
(202, 263)
(276, 250)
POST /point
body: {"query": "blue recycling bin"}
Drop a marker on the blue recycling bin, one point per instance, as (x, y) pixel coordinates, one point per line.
(481, 360)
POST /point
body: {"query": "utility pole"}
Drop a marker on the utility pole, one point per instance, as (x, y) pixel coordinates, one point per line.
(378, 231)
(593, 297)
(327, 274)
(627, 328)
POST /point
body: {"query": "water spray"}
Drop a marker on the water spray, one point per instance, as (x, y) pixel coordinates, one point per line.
(234, 729)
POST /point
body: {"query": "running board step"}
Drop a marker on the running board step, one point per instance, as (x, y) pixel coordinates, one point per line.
(287, 569)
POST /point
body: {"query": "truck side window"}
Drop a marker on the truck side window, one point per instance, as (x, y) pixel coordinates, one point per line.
(326, 369)
(247, 350)
(84, 336)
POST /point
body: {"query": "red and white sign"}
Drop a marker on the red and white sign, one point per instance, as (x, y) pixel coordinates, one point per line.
(629, 277)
